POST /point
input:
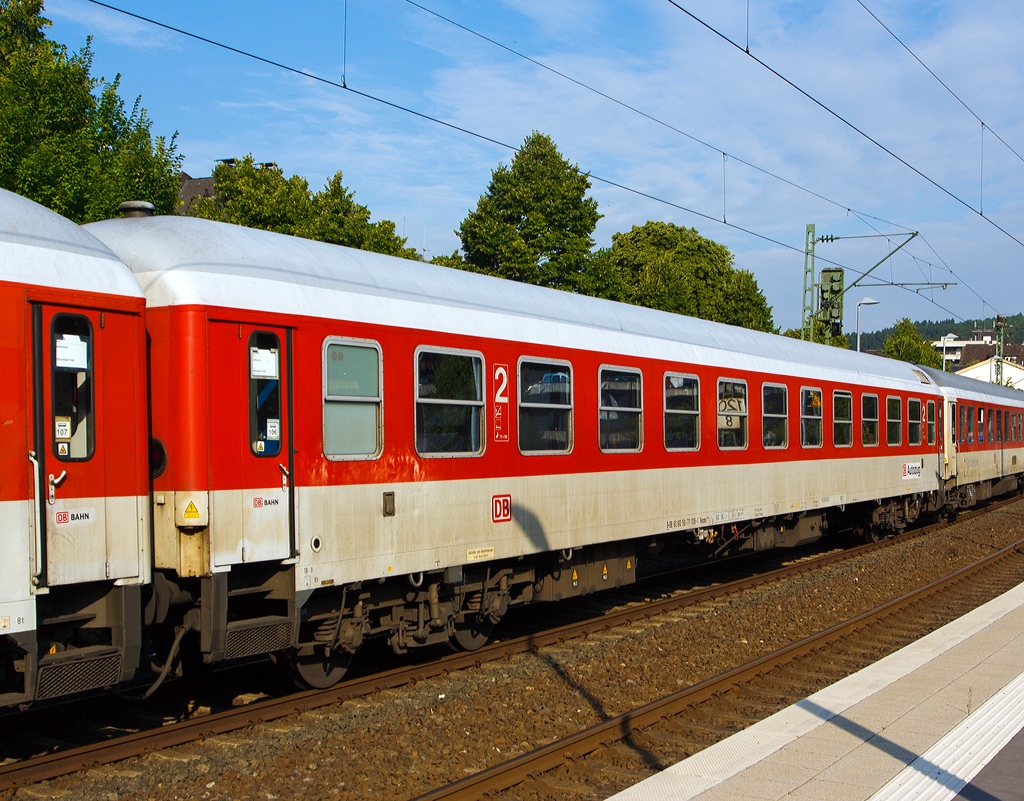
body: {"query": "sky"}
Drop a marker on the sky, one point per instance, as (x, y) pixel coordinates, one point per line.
(652, 56)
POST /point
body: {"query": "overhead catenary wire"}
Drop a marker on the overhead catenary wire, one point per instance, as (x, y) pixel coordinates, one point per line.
(468, 132)
(844, 121)
(957, 97)
(862, 216)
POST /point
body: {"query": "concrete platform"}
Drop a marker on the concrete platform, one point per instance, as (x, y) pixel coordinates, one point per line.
(923, 723)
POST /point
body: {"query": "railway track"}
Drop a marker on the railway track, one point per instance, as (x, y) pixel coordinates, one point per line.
(624, 749)
(67, 760)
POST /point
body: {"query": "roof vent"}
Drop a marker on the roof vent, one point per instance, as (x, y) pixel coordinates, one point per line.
(136, 208)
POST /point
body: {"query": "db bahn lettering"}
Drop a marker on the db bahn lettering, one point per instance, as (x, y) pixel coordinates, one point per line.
(501, 508)
(259, 503)
(63, 518)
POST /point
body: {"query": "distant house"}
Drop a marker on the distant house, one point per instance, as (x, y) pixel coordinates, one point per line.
(981, 346)
(1013, 372)
(191, 188)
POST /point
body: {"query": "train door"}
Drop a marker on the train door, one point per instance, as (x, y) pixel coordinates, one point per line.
(88, 409)
(251, 461)
(948, 454)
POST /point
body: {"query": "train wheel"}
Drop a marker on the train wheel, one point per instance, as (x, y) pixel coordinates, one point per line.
(471, 633)
(318, 671)
(873, 534)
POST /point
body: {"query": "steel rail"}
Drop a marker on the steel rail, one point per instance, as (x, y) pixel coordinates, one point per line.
(59, 763)
(514, 771)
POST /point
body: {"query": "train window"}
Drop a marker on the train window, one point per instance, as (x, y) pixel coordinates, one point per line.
(682, 412)
(72, 387)
(893, 421)
(264, 394)
(931, 423)
(449, 403)
(810, 418)
(774, 416)
(965, 414)
(981, 424)
(1006, 426)
(545, 407)
(732, 413)
(842, 419)
(619, 413)
(970, 425)
(991, 435)
(953, 417)
(352, 399)
(999, 425)
(914, 421)
(869, 420)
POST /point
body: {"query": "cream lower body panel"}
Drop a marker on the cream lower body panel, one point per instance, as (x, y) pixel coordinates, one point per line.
(248, 526)
(96, 539)
(342, 535)
(17, 605)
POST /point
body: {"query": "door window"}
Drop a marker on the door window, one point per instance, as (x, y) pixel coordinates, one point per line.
(72, 387)
(931, 423)
(264, 394)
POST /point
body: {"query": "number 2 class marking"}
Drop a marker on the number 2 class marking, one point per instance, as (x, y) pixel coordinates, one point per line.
(501, 383)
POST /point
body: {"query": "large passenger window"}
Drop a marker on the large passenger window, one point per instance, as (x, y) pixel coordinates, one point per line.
(352, 400)
(619, 416)
(810, 418)
(999, 425)
(545, 407)
(732, 414)
(774, 420)
(72, 387)
(449, 403)
(981, 424)
(682, 412)
(914, 421)
(842, 419)
(991, 417)
(264, 393)
(869, 420)
(970, 425)
(893, 421)
(931, 423)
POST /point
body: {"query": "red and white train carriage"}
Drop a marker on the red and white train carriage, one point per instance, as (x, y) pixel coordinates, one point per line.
(360, 445)
(74, 484)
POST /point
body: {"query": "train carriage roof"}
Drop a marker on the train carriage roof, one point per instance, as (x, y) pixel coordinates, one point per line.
(965, 384)
(188, 261)
(42, 248)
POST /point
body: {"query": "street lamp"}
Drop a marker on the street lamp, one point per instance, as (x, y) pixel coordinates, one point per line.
(946, 340)
(865, 302)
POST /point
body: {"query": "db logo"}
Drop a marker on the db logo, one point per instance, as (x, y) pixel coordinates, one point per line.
(501, 508)
(62, 517)
(257, 503)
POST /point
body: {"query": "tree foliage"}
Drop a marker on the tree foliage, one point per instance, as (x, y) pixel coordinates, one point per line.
(907, 345)
(66, 140)
(259, 196)
(669, 267)
(534, 223)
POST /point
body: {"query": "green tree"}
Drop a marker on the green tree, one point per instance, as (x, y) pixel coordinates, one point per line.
(907, 345)
(534, 223)
(66, 140)
(259, 196)
(673, 268)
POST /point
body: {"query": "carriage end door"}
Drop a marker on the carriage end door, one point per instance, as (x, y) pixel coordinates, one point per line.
(251, 513)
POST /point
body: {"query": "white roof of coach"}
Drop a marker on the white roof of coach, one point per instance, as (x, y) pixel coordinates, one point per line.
(965, 386)
(188, 261)
(41, 248)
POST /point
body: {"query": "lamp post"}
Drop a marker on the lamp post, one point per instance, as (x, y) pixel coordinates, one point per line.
(865, 302)
(945, 341)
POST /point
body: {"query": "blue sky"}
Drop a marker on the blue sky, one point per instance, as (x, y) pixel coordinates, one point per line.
(646, 53)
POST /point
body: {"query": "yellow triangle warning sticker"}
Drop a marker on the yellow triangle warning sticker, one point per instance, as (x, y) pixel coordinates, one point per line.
(574, 576)
(629, 564)
(191, 512)
(604, 572)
